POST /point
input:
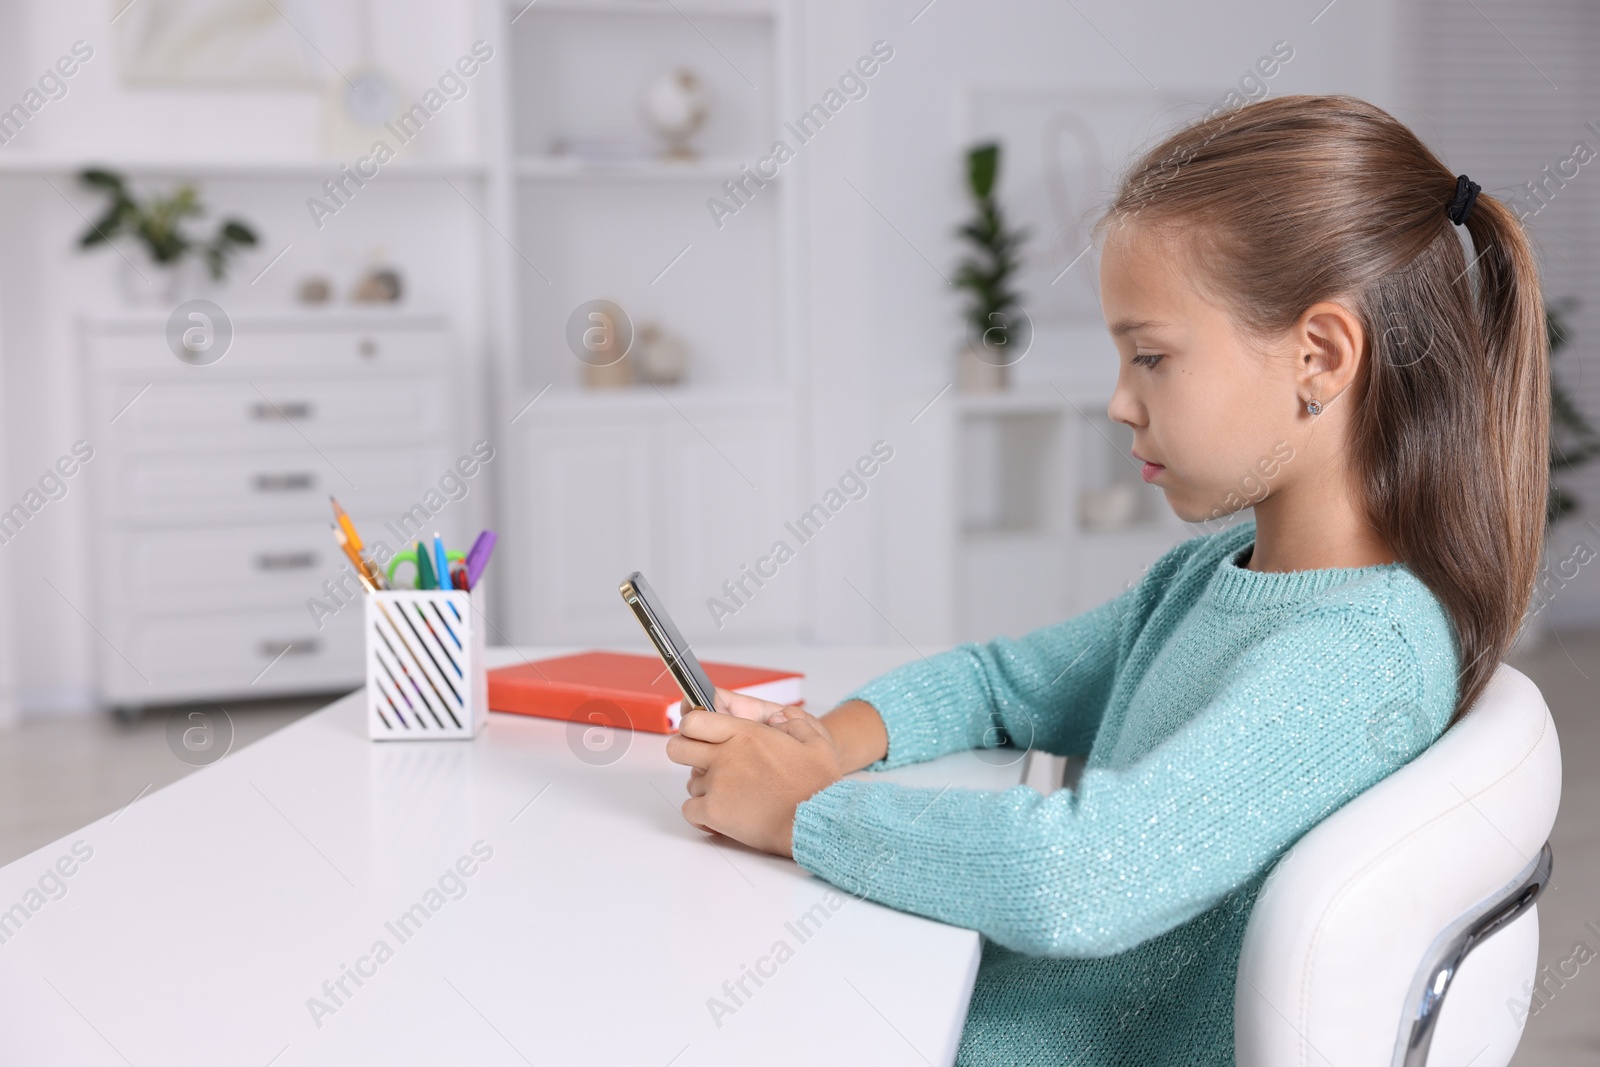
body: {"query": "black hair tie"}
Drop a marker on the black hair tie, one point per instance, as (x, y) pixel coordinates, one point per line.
(1461, 205)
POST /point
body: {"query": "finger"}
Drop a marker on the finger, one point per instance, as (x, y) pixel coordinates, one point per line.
(694, 810)
(689, 752)
(786, 711)
(696, 785)
(703, 725)
(801, 728)
(743, 706)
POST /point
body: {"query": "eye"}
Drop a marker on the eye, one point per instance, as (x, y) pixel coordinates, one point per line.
(1147, 359)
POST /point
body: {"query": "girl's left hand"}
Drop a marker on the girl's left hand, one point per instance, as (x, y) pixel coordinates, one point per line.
(748, 777)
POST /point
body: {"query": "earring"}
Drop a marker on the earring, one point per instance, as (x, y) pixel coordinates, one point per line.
(1313, 407)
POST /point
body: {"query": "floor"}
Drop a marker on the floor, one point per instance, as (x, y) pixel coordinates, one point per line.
(1566, 1031)
(60, 774)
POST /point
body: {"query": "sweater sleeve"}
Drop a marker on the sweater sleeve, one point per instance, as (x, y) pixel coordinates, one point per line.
(1291, 734)
(1044, 690)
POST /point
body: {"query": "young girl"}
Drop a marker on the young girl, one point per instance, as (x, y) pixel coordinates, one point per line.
(1288, 290)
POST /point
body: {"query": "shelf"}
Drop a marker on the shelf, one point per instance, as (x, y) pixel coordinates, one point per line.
(558, 168)
(51, 166)
(744, 9)
(642, 397)
(1051, 398)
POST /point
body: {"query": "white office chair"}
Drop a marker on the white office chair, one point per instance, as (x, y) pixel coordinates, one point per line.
(1367, 923)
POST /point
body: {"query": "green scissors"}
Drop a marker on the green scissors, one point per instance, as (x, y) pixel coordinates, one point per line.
(409, 555)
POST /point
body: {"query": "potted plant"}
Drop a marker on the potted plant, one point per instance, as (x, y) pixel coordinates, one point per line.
(1573, 442)
(158, 247)
(998, 332)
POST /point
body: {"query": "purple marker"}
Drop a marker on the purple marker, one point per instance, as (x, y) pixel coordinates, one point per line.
(478, 556)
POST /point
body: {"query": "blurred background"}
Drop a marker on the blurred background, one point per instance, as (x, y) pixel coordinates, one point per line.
(703, 288)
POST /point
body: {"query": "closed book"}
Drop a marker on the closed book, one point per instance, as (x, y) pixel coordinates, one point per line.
(622, 689)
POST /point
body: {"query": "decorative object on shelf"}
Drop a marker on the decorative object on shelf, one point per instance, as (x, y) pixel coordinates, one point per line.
(999, 332)
(609, 375)
(1109, 509)
(379, 285)
(156, 229)
(214, 42)
(357, 104)
(675, 105)
(314, 290)
(663, 356)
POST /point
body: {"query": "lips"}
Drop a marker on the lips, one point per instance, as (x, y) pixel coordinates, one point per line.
(1150, 471)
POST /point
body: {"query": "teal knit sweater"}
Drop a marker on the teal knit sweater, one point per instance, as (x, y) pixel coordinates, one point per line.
(1223, 712)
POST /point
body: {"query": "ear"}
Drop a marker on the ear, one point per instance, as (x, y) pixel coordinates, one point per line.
(1330, 340)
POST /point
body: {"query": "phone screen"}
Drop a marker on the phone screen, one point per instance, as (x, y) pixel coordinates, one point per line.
(674, 650)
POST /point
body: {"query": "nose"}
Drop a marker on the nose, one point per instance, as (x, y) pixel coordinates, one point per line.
(1125, 407)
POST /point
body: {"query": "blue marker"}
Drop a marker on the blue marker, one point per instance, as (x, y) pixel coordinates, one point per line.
(441, 565)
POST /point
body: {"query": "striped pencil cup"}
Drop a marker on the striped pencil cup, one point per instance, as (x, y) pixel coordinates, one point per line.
(426, 678)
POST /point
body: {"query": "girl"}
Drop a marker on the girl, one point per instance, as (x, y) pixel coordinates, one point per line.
(1288, 291)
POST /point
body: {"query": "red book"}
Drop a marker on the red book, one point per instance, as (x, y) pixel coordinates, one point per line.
(621, 689)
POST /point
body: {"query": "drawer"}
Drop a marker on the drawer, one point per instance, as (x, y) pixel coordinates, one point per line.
(232, 655)
(262, 348)
(275, 484)
(278, 565)
(268, 412)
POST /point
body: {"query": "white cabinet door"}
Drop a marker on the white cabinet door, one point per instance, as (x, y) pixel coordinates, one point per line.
(590, 514)
(729, 488)
(691, 502)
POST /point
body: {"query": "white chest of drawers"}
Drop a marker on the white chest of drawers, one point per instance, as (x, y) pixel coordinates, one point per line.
(210, 490)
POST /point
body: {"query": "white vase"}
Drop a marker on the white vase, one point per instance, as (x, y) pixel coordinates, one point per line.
(974, 375)
(148, 284)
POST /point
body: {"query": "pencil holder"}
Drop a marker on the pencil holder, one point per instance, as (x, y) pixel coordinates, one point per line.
(426, 678)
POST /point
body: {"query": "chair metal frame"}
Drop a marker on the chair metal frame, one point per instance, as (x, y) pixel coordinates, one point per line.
(1443, 959)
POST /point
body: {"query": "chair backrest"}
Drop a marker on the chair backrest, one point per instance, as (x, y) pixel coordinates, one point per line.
(1347, 917)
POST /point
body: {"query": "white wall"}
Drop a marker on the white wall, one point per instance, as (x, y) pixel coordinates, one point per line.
(419, 223)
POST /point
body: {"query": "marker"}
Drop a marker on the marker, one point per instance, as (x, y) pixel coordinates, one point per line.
(441, 565)
(478, 557)
(425, 578)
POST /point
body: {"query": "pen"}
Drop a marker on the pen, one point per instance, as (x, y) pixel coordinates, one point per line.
(441, 565)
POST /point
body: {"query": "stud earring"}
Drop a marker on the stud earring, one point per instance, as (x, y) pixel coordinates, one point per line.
(1313, 407)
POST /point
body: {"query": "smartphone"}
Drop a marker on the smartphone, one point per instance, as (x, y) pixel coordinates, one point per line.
(670, 645)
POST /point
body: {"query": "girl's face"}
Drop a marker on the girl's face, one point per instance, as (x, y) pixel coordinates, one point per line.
(1214, 419)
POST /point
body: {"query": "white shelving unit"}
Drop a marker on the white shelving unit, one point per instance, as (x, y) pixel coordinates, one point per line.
(686, 482)
(1026, 554)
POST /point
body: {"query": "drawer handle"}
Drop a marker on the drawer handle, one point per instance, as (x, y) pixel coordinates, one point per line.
(286, 561)
(306, 646)
(292, 482)
(263, 411)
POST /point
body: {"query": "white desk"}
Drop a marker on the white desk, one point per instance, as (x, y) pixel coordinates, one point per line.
(212, 910)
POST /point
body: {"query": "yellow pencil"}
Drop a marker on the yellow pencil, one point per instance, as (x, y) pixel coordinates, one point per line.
(365, 571)
(345, 524)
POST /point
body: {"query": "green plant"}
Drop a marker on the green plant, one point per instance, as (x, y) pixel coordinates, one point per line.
(986, 274)
(1573, 441)
(158, 223)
